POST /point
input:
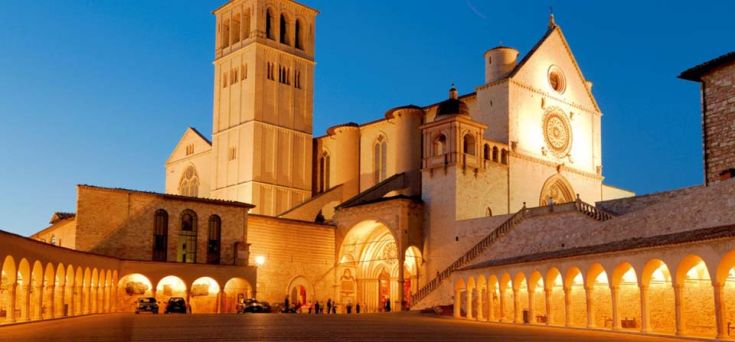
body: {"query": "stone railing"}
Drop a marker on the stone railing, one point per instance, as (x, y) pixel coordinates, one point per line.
(582, 207)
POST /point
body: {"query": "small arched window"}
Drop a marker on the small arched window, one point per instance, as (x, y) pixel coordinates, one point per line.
(269, 24)
(246, 24)
(380, 159)
(160, 235)
(297, 35)
(469, 144)
(495, 154)
(187, 248)
(214, 242)
(504, 156)
(440, 144)
(486, 152)
(235, 37)
(324, 166)
(284, 30)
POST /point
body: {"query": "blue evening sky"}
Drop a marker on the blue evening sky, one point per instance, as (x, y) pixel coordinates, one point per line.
(99, 91)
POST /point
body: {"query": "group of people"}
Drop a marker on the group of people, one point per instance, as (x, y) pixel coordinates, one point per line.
(318, 308)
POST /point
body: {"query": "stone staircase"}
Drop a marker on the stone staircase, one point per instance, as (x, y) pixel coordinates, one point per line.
(579, 206)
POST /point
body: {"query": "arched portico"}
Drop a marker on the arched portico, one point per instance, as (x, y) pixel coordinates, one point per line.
(130, 288)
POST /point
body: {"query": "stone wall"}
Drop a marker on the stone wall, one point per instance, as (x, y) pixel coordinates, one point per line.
(718, 88)
(64, 233)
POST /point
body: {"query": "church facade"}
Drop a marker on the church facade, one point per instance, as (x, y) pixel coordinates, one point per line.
(477, 202)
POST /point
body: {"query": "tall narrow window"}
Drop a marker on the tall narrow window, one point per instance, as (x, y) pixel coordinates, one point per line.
(187, 249)
(284, 30)
(324, 172)
(235, 28)
(269, 24)
(213, 243)
(160, 235)
(439, 145)
(246, 24)
(495, 154)
(380, 159)
(226, 34)
(297, 35)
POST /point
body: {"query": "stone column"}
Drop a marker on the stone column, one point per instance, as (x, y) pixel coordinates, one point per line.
(80, 300)
(468, 294)
(457, 304)
(480, 313)
(614, 298)
(38, 290)
(25, 292)
(567, 307)
(720, 310)
(502, 317)
(645, 320)
(107, 298)
(679, 309)
(490, 305)
(188, 300)
(531, 311)
(51, 312)
(589, 290)
(547, 296)
(11, 297)
(516, 307)
(61, 294)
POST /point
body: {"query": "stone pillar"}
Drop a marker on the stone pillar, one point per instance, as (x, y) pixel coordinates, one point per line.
(547, 296)
(107, 298)
(25, 292)
(38, 290)
(62, 292)
(468, 294)
(516, 307)
(589, 290)
(79, 295)
(457, 304)
(567, 307)
(502, 317)
(720, 310)
(188, 300)
(11, 298)
(615, 299)
(51, 310)
(531, 311)
(679, 309)
(480, 313)
(645, 320)
(490, 305)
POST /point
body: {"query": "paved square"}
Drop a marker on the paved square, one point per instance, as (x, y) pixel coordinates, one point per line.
(276, 327)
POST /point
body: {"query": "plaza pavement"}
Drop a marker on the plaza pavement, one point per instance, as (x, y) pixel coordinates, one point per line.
(281, 327)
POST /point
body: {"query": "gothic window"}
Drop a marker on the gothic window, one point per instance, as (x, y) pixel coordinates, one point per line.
(299, 40)
(297, 79)
(214, 241)
(269, 24)
(243, 72)
(495, 154)
(236, 28)
(284, 30)
(233, 76)
(380, 159)
(189, 149)
(226, 34)
(440, 144)
(189, 183)
(469, 144)
(160, 235)
(486, 152)
(187, 249)
(324, 172)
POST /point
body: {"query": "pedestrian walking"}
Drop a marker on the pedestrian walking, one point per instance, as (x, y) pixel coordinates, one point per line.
(387, 304)
(329, 306)
(357, 308)
(349, 308)
(310, 307)
(286, 305)
(316, 307)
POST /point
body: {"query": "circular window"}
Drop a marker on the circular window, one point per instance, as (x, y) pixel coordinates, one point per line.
(556, 79)
(557, 132)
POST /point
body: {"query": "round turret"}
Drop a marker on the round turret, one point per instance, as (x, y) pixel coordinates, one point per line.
(499, 63)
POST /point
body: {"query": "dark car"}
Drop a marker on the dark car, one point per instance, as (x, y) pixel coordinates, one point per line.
(176, 305)
(146, 304)
(253, 306)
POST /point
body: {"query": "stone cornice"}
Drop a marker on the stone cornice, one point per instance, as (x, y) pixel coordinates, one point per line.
(560, 166)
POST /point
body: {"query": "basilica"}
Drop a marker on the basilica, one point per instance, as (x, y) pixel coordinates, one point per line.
(491, 205)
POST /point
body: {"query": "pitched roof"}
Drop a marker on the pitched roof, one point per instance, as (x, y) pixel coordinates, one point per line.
(695, 73)
(201, 135)
(175, 197)
(60, 215)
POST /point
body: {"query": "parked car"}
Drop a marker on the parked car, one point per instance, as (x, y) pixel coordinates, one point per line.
(146, 304)
(176, 305)
(253, 306)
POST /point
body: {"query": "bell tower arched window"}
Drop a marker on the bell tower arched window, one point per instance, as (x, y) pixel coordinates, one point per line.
(440, 144)
(380, 159)
(269, 24)
(297, 35)
(284, 30)
(160, 235)
(187, 247)
(214, 240)
(469, 144)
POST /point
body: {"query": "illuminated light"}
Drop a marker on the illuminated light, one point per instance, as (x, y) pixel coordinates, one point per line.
(170, 284)
(658, 275)
(557, 281)
(578, 279)
(260, 260)
(698, 272)
(731, 274)
(629, 276)
(601, 278)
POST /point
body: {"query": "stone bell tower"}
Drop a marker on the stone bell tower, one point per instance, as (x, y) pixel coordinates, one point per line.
(263, 103)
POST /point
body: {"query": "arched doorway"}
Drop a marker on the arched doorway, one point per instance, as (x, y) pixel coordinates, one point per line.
(300, 291)
(628, 301)
(170, 286)
(7, 289)
(130, 288)
(697, 297)
(411, 273)
(204, 296)
(575, 301)
(556, 190)
(601, 297)
(370, 254)
(554, 284)
(236, 291)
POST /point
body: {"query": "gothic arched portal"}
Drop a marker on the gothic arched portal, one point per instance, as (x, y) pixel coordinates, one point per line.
(556, 190)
